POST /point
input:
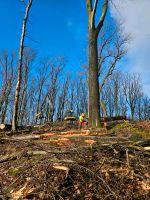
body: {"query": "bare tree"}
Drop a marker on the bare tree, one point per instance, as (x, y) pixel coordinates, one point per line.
(28, 58)
(132, 91)
(146, 108)
(7, 63)
(17, 92)
(72, 95)
(55, 70)
(81, 93)
(112, 48)
(42, 78)
(122, 103)
(107, 100)
(62, 99)
(142, 110)
(93, 82)
(139, 107)
(123, 92)
(31, 108)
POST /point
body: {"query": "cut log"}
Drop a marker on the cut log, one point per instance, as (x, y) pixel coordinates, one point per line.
(5, 127)
(60, 167)
(34, 153)
(2, 126)
(15, 156)
(20, 138)
(147, 148)
(26, 137)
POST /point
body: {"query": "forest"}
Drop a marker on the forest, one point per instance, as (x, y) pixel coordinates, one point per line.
(101, 149)
(53, 90)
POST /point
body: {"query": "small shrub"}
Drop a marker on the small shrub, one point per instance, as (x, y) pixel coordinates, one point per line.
(121, 126)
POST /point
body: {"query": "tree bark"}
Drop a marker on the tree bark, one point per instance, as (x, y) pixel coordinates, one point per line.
(93, 82)
(94, 109)
(18, 85)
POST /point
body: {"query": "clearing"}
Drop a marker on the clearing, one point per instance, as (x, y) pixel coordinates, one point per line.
(60, 162)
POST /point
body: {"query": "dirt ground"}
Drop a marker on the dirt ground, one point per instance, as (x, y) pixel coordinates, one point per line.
(57, 162)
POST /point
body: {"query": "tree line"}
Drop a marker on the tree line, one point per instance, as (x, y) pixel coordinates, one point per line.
(48, 88)
(45, 87)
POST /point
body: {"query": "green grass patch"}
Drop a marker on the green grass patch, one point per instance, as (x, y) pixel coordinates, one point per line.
(77, 138)
(14, 172)
(41, 141)
(120, 126)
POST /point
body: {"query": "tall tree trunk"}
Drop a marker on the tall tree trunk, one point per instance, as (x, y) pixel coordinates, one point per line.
(93, 83)
(18, 85)
(94, 108)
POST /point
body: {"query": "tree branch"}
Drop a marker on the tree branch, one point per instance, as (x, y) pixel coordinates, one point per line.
(89, 6)
(93, 14)
(102, 17)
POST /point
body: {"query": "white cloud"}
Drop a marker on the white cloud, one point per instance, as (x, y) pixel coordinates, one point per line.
(135, 16)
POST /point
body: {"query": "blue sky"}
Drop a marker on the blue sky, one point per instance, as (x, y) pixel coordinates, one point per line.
(60, 28)
(56, 28)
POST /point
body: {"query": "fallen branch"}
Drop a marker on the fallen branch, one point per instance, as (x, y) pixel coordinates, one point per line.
(18, 138)
(9, 157)
(101, 165)
(16, 156)
(100, 178)
(127, 155)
